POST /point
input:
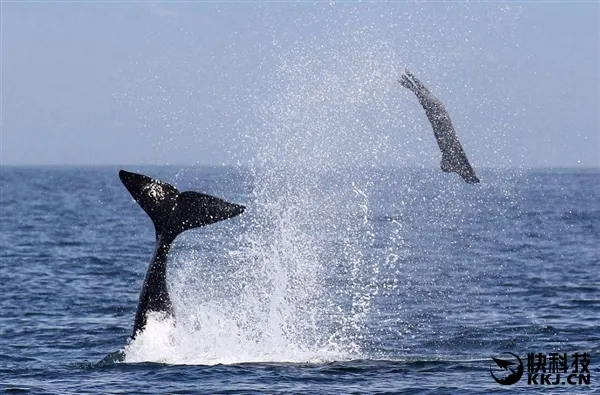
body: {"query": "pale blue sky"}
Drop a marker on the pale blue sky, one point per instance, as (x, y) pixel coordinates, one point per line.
(185, 82)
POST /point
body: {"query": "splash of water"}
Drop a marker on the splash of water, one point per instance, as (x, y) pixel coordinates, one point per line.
(299, 286)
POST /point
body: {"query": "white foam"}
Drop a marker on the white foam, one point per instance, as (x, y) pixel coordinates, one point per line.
(219, 341)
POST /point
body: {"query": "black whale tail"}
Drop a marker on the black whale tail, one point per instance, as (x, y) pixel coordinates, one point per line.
(173, 212)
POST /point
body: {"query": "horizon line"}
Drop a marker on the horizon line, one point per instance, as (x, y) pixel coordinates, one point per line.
(99, 165)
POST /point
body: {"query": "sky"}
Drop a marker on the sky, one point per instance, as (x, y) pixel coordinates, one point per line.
(205, 83)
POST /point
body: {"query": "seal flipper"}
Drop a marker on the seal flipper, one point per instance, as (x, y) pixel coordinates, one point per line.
(459, 166)
(416, 81)
(405, 82)
(446, 164)
(468, 174)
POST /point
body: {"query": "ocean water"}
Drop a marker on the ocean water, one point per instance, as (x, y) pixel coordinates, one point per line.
(346, 280)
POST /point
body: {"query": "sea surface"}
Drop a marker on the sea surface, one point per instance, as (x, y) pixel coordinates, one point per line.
(346, 281)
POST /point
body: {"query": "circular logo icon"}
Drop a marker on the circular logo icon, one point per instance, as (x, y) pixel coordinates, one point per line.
(508, 369)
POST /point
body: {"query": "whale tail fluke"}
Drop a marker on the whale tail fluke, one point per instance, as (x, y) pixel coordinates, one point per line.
(195, 209)
(173, 212)
(157, 198)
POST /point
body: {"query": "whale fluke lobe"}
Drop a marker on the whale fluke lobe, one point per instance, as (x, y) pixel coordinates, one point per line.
(172, 213)
(454, 158)
(157, 198)
(194, 209)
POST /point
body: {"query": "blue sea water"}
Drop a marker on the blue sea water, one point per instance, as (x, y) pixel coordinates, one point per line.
(354, 280)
